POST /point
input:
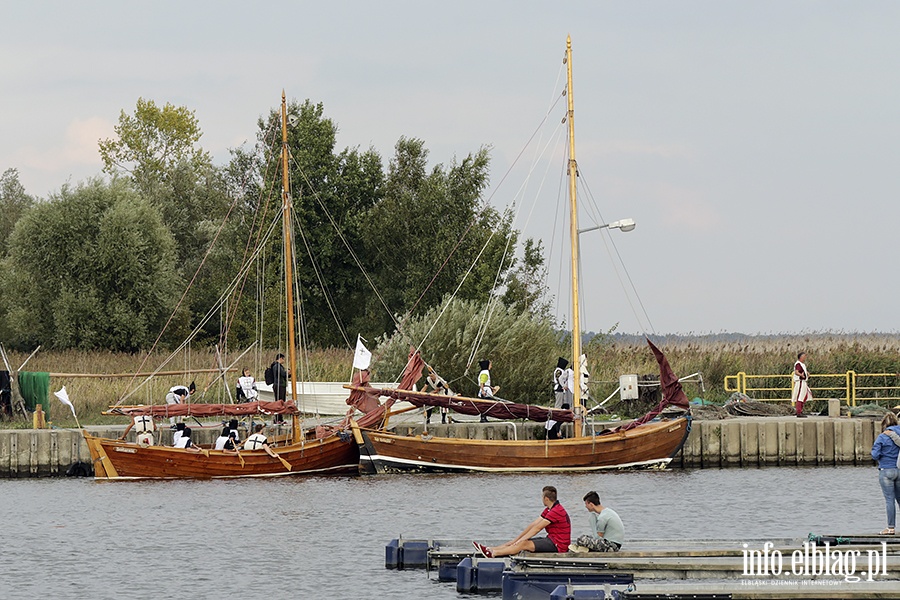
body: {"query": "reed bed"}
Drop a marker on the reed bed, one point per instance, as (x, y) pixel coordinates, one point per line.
(719, 356)
(93, 395)
(608, 359)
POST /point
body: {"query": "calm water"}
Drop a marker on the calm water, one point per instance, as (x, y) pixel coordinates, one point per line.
(325, 537)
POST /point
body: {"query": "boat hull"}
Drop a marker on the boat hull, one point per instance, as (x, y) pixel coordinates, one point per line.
(114, 459)
(650, 445)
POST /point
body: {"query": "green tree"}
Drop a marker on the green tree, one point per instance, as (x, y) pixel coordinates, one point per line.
(195, 206)
(431, 228)
(13, 204)
(157, 148)
(93, 267)
(331, 193)
(152, 142)
(526, 284)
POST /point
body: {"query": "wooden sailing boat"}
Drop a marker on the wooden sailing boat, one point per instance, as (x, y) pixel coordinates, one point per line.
(639, 444)
(301, 452)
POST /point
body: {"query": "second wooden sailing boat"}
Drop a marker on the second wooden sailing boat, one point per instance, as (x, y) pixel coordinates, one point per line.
(639, 444)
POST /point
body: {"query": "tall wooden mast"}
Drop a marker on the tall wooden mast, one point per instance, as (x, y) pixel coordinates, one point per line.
(288, 265)
(573, 232)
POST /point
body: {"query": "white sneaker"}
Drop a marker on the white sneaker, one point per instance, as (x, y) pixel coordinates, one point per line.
(579, 549)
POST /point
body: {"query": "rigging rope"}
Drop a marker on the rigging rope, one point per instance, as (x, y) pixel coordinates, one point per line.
(326, 293)
(609, 241)
(491, 305)
(206, 318)
(179, 303)
(346, 243)
(267, 139)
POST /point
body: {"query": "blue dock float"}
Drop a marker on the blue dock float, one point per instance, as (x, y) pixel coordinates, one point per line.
(448, 571)
(479, 575)
(571, 592)
(519, 585)
(401, 554)
(441, 555)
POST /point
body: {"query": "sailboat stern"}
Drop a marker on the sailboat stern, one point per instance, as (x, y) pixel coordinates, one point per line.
(103, 467)
(368, 456)
(688, 421)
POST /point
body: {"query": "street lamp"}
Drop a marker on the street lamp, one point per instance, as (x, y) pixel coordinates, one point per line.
(625, 225)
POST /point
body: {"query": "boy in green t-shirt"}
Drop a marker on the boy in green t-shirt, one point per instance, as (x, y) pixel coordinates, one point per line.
(607, 531)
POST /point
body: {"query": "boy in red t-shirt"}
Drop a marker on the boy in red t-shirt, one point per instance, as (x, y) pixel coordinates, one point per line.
(554, 519)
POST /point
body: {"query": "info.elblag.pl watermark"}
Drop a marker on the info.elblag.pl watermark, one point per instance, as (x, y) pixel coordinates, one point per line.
(813, 561)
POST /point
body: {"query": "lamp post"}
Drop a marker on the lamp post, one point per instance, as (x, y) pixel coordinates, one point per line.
(625, 225)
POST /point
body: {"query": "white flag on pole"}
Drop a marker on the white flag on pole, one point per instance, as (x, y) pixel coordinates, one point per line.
(63, 396)
(362, 358)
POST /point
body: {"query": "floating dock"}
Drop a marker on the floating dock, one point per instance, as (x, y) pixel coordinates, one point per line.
(819, 590)
(825, 566)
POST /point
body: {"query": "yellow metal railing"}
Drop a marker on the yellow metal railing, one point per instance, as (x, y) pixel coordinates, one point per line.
(850, 386)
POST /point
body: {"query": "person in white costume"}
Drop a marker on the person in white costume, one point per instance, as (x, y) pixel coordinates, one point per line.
(246, 387)
(800, 393)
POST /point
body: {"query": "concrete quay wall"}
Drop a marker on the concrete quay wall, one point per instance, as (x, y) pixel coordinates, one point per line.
(779, 441)
(50, 452)
(739, 442)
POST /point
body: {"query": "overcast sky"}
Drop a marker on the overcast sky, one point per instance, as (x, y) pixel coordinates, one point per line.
(755, 143)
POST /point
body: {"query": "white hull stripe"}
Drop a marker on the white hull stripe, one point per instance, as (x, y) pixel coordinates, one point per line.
(350, 466)
(404, 462)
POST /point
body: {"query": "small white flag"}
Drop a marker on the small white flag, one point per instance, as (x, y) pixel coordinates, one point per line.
(362, 358)
(63, 396)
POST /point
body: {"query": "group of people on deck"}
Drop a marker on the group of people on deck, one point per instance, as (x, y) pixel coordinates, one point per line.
(229, 440)
(606, 533)
(563, 387)
(245, 388)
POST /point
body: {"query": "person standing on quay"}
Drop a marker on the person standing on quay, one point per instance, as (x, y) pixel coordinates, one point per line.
(178, 395)
(279, 377)
(438, 385)
(885, 450)
(800, 394)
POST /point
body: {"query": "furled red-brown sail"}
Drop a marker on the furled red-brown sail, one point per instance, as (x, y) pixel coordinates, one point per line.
(413, 371)
(471, 406)
(279, 407)
(673, 394)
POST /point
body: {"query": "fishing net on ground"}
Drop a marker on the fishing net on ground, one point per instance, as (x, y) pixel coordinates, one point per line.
(753, 408)
(873, 411)
(709, 412)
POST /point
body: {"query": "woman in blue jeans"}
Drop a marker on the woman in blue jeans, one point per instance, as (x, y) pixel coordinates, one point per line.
(885, 450)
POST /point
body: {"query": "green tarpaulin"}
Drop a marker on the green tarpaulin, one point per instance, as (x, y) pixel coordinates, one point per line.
(35, 389)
